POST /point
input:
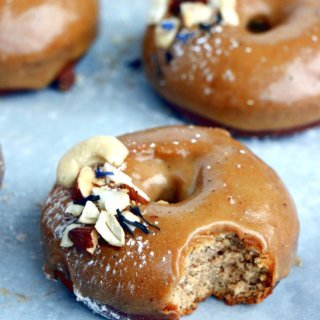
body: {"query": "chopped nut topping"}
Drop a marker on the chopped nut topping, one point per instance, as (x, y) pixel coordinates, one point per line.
(111, 199)
(166, 31)
(110, 229)
(158, 10)
(131, 217)
(65, 241)
(85, 179)
(90, 214)
(106, 204)
(84, 238)
(92, 151)
(190, 14)
(194, 13)
(74, 209)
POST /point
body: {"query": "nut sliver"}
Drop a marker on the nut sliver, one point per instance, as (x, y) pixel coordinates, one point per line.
(90, 213)
(110, 230)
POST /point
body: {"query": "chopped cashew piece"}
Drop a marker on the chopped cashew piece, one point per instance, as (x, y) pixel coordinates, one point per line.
(111, 199)
(228, 9)
(99, 149)
(74, 209)
(110, 230)
(158, 10)
(84, 182)
(229, 13)
(132, 218)
(90, 213)
(166, 31)
(120, 177)
(194, 13)
(65, 241)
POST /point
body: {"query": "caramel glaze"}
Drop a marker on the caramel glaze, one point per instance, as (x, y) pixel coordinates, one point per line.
(38, 38)
(252, 82)
(213, 183)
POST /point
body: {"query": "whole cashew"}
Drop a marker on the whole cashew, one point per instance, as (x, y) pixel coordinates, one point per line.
(99, 149)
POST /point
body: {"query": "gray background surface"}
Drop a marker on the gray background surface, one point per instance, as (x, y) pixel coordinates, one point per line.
(109, 98)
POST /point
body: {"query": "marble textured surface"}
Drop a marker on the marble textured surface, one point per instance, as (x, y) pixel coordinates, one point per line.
(109, 98)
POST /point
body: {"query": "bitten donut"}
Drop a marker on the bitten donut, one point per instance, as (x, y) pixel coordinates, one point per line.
(252, 66)
(40, 40)
(147, 226)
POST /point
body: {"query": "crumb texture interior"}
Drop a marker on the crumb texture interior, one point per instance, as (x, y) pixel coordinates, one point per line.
(224, 267)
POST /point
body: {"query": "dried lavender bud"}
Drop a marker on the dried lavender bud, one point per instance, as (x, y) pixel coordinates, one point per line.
(101, 174)
(136, 211)
(82, 202)
(133, 223)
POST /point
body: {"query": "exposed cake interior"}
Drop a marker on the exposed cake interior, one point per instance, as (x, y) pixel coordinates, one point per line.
(224, 267)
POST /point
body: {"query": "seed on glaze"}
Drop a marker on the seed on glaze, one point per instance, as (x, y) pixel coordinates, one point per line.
(219, 52)
(228, 75)
(231, 200)
(314, 38)
(217, 41)
(208, 91)
(196, 49)
(207, 47)
(217, 29)
(250, 103)
(201, 40)
(234, 44)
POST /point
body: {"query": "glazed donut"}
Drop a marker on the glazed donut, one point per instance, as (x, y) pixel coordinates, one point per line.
(40, 40)
(210, 218)
(252, 66)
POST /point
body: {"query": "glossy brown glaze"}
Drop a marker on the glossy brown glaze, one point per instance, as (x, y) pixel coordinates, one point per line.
(213, 183)
(39, 38)
(253, 82)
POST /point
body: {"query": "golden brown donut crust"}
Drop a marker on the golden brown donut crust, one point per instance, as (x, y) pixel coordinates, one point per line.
(204, 169)
(251, 82)
(38, 38)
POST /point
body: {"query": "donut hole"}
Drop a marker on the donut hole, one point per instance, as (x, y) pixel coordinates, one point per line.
(259, 24)
(166, 179)
(176, 189)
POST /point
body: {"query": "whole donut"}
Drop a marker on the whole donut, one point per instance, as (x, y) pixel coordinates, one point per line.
(41, 39)
(254, 69)
(222, 204)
